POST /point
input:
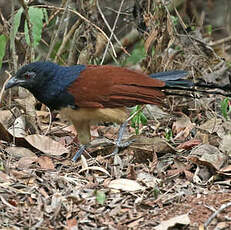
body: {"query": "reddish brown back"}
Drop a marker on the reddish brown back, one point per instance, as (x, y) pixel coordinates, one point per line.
(111, 86)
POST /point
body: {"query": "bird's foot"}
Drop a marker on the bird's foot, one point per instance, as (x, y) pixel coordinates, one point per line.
(79, 152)
(120, 145)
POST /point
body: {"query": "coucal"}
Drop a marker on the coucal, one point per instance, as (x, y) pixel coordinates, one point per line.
(88, 94)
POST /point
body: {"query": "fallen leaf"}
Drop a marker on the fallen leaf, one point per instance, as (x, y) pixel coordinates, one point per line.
(4, 177)
(208, 155)
(4, 116)
(225, 170)
(189, 144)
(225, 144)
(26, 162)
(212, 126)
(72, 224)
(45, 162)
(18, 128)
(20, 152)
(46, 144)
(167, 224)
(126, 185)
(182, 127)
(149, 180)
(150, 40)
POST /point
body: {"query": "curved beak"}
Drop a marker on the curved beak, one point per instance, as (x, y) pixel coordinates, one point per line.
(13, 82)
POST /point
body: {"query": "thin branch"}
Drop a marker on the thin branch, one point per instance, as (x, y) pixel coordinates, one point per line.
(220, 41)
(12, 42)
(66, 39)
(82, 17)
(29, 25)
(109, 27)
(50, 122)
(224, 206)
(58, 31)
(72, 53)
(112, 31)
(128, 40)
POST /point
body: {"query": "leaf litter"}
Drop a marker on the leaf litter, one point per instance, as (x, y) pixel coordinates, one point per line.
(158, 182)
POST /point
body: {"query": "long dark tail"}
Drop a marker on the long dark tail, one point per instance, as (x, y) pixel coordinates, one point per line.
(174, 80)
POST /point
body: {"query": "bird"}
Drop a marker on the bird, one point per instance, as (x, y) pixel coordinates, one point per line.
(89, 94)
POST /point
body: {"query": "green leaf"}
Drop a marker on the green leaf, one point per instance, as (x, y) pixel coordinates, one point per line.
(225, 108)
(209, 29)
(17, 19)
(36, 18)
(137, 54)
(3, 41)
(168, 134)
(138, 119)
(156, 192)
(100, 197)
(2, 168)
(45, 15)
(143, 119)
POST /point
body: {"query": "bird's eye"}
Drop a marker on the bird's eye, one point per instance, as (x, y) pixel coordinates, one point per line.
(28, 75)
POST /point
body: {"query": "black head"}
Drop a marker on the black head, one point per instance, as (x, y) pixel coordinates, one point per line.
(48, 82)
(32, 75)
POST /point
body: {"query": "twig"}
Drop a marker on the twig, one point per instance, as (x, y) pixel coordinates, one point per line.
(66, 39)
(52, 17)
(116, 11)
(218, 42)
(12, 42)
(72, 50)
(58, 31)
(3, 87)
(50, 122)
(224, 206)
(134, 114)
(126, 41)
(110, 29)
(85, 19)
(6, 24)
(29, 25)
(112, 32)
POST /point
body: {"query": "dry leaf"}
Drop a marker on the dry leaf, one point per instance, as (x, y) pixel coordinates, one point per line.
(208, 155)
(189, 144)
(149, 180)
(72, 224)
(226, 144)
(212, 125)
(4, 116)
(18, 128)
(45, 162)
(20, 152)
(46, 145)
(3, 88)
(150, 40)
(125, 185)
(4, 177)
(182, 127)
(26, 162)
(167, 224)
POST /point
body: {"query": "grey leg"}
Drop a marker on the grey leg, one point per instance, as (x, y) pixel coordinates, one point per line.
(79, 152)
(119, 144)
